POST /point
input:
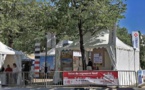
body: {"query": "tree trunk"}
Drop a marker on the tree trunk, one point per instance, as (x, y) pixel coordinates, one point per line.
(81, 44)
(10, 41)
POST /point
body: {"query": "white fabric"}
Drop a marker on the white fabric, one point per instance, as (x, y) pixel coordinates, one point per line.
(19, 66)
(99, 40)
(56, 77)
(3, 78)
(89, 68)
(118, 53)
(127, 78)
(2, 58)
(4, 49)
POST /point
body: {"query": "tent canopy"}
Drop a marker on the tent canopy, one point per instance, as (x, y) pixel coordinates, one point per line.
(7, 50)
(120, 55)
(101, 39)
(118, 51)
(62, 43)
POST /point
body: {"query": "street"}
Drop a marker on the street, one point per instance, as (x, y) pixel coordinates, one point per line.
(99, 88)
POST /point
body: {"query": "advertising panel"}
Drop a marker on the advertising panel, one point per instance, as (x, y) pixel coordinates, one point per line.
(90, 77)
(67, 60)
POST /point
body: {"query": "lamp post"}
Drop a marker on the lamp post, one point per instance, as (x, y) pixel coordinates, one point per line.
(46, 54)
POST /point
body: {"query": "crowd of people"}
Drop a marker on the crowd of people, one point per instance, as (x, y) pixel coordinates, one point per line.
(11, 73)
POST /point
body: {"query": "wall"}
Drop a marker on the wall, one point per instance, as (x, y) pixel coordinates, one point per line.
(106, 65)
(9, 60)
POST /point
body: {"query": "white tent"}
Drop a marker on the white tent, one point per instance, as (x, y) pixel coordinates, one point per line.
(10, 56)
(51, 52)
(120, 55)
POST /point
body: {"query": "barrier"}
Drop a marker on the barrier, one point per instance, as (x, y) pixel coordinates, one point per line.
(72, 79)
(127, 78)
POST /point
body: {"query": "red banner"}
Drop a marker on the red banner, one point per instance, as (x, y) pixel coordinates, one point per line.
(90, 77)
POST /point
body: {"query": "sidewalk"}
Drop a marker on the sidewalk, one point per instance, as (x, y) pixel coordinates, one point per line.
(69, 89)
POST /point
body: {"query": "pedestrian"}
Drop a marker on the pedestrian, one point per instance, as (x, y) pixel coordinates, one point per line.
(15, 72)
(26, 72)
(8, 69)
(8, 74)
(90, 65)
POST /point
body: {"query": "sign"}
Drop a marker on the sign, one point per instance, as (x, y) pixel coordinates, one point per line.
(67, 60)
(90, 77)
(141, 76)
(98, 58)
(135, 39)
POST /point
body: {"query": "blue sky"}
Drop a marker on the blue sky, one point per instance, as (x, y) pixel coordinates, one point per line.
(135, 16)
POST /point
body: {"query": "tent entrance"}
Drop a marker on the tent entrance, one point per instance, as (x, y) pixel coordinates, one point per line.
(101, 59)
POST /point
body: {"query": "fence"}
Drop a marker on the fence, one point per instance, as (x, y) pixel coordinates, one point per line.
(56, 79)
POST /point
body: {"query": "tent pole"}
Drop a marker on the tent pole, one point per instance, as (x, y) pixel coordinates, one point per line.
(134, 59)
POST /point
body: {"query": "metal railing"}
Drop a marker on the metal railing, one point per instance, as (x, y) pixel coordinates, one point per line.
(127, 78)
(55, 79)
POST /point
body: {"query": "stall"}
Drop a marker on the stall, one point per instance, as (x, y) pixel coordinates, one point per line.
(10, 56)
(107, 52)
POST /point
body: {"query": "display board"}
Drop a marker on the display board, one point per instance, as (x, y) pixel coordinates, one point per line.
(98, 57)
(90, 77)
(67, 60)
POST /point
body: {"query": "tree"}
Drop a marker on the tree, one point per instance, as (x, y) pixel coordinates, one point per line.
(22, 22)
(123, 35)
(142, 49)
(80, 16)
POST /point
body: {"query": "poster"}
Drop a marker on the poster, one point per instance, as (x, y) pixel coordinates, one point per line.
(50, 63)
(67, 60)
(66, 64)
(98, 58)
(90, 77)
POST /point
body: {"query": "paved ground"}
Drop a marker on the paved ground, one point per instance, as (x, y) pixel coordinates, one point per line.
(67, 89)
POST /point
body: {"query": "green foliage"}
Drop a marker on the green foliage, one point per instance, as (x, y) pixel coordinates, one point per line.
(23, 22)
(142, 51)
(123, 35)
(94, 14)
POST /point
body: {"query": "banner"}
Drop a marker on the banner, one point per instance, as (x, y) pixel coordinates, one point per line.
(135, 39)
(90, 77)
